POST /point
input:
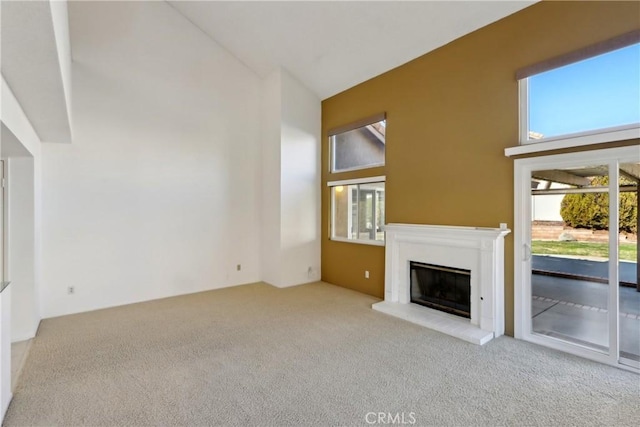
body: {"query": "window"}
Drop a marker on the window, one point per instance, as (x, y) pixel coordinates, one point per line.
(358, 205)
(357, 210)
(590, 95)
(359, 145)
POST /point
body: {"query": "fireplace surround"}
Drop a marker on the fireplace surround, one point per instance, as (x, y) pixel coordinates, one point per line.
(478, 250)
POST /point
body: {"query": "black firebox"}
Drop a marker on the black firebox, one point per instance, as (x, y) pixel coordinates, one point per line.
(442, 288)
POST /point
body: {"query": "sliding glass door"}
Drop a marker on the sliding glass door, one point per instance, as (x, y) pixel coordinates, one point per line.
(629, 266)
(576, 254)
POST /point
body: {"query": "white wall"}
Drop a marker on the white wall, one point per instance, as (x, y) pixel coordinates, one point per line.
(5, 300)
(23, 234)
(270, 232)
(21, 268)
(5, 351)
(184, 164)
(300, 182)
(23, 226)
(291, 182)
(159, 194)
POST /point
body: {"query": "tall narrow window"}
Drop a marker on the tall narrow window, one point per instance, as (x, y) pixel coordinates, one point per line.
(358, 205)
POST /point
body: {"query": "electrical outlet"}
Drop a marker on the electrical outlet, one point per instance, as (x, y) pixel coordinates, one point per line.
(71, 290)
(366, 274)
(239, 267)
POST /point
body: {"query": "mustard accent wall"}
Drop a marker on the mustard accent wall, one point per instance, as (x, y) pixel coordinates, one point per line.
(450, 115)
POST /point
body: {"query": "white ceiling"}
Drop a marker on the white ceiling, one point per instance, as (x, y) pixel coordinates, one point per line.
(331, 46)
(31, 66)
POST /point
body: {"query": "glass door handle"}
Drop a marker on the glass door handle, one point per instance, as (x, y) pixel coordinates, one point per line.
(527, 252)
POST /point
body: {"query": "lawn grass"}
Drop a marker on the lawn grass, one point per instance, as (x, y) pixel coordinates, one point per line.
(628, 251)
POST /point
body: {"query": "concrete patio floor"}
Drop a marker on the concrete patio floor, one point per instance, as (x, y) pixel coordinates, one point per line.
(577, 310)
(586, 268)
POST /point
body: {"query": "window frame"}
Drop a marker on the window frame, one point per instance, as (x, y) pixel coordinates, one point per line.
(332, 217)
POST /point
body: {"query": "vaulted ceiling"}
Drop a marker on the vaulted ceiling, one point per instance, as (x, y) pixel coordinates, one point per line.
(36, 64)
(331, 46)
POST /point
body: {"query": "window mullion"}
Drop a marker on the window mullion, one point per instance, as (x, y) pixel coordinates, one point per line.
(357, 204)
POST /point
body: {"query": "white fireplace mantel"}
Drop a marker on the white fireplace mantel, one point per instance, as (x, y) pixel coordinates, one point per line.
(480, 250)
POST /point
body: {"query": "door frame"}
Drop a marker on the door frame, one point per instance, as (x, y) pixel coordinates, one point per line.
(522, 236)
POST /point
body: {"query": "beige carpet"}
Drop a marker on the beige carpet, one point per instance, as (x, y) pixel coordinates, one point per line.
(310, 355)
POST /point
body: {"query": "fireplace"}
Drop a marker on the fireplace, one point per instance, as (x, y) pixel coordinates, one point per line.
(442, 288)
(475, 255)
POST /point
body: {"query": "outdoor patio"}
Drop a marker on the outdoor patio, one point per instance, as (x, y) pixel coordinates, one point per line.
(576, 310)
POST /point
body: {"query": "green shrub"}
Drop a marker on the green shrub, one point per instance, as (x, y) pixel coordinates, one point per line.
(591, 210)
